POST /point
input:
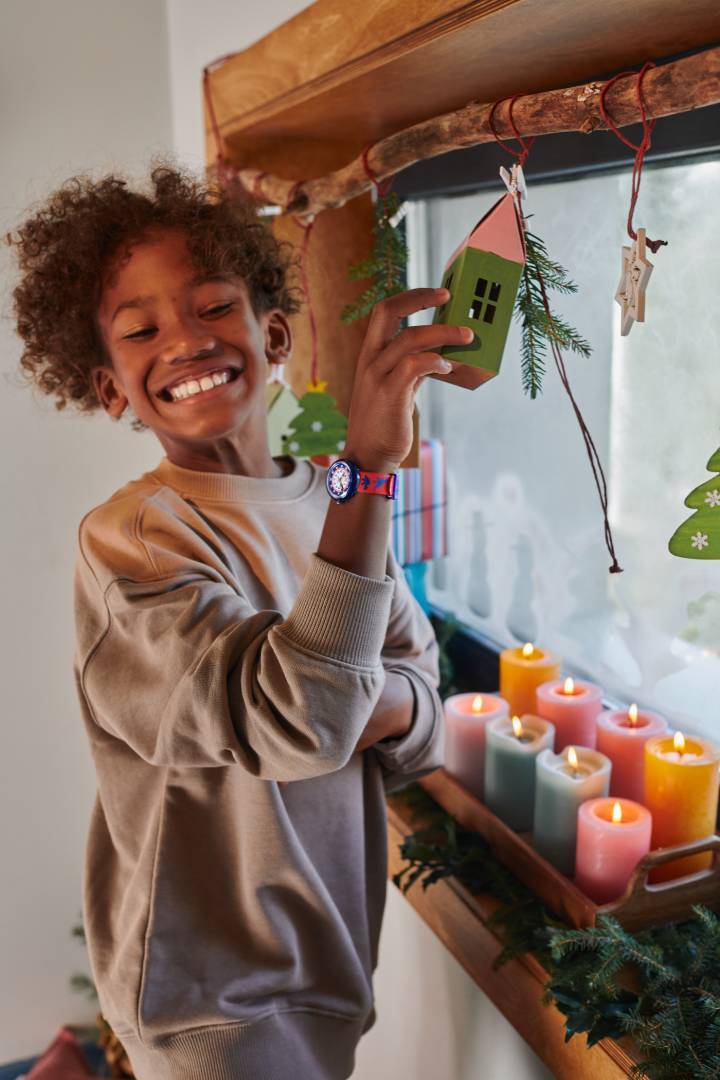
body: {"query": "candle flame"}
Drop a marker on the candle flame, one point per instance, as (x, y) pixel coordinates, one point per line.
(477, 703)
(633, 713)
(517, 727)
(679, 742)
(572, 757)
(616, 813)
(569, 687)
(528, 649)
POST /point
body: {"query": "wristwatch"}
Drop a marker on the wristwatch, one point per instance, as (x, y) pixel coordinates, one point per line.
(345, 478)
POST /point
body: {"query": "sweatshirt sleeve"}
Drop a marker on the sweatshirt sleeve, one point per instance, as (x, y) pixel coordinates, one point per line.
(411, 649)
(173, 659)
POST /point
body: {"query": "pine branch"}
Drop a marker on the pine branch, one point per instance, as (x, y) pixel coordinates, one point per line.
(386, 266)
(538, 329)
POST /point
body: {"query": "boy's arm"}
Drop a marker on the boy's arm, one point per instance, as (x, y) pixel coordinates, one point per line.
(410, 659)
(173, 660)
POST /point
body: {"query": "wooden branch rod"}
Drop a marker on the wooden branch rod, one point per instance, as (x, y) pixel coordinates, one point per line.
(689, 83)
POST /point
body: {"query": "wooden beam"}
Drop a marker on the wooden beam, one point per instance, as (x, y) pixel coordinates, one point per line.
(457, 918)
(689, 83)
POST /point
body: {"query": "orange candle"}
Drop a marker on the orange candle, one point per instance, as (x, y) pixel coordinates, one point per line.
(522, 670)
(681, 793)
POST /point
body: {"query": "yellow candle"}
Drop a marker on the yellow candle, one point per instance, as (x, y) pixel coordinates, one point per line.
(522, 670)
(681, 793)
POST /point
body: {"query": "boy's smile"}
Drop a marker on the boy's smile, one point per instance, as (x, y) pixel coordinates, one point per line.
(189, 356)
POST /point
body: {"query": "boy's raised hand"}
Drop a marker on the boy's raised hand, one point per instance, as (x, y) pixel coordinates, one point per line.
(390, 370)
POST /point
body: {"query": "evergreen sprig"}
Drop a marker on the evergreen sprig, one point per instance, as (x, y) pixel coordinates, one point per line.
(661, 986)
(537, 327)
(386, 266)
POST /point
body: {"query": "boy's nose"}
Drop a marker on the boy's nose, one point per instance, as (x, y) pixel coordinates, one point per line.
(184, 350)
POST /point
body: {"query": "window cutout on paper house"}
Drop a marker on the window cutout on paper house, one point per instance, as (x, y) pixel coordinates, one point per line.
(480, 302)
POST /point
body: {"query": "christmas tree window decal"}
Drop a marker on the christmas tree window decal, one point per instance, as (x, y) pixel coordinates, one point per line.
(699, 536)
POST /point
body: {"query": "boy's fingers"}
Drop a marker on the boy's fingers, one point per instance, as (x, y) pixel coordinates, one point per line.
(386, 315)
(414, 339)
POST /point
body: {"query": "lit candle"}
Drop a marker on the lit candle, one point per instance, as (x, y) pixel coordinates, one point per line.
(521, 672)
(681, 792)
(466, 716)
(573, 707)
(510, 752)
(621, 736)
(613, 835)
(562, 782)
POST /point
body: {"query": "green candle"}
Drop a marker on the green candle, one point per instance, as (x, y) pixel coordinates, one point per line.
(564, 781)
(511, 749)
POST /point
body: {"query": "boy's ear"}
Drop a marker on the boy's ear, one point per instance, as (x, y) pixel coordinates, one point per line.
(278, 337)
(109, 391)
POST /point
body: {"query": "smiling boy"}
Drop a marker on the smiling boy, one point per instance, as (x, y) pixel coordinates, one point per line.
(253, 672)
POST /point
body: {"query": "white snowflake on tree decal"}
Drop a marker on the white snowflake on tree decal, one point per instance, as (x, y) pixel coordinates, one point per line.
(713, 497)
(699, 540)
(316, 425)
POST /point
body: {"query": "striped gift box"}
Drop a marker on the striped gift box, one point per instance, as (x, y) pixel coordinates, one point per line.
(419, 518)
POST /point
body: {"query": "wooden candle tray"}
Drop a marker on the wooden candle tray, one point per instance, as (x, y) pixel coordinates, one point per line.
(641, 905)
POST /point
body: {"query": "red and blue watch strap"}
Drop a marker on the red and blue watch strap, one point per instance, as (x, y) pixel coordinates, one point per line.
(373, 483)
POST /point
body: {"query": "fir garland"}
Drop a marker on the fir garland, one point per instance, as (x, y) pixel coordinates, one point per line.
(661, 986)
(386, 266)
(537, 326)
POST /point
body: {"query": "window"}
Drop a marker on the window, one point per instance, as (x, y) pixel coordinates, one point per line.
(527, 559)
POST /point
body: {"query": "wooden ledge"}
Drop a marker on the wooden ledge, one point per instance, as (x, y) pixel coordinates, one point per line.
(516, 988)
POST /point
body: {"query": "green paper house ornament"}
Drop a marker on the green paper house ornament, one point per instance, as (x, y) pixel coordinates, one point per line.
(318, 427)
(483, 276)
(282, 407)
(699, 536)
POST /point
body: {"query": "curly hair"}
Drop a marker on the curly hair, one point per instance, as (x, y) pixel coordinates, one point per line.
(67, 247)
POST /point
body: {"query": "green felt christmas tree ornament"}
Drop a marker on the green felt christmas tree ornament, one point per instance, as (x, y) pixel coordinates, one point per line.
(699, 536)
(318, 427)
(483, 275)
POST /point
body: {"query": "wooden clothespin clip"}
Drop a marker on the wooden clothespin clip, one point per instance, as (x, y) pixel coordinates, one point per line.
(514, 181)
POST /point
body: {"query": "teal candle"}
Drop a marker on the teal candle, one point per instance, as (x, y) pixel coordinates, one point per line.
(511, 749)
(562, 782)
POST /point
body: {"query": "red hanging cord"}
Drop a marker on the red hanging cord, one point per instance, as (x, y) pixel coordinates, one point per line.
(640, 148)
(525, 144)
(383, 187)
(590, 448)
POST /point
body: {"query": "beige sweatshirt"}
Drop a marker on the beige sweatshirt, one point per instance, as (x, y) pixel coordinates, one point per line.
(232, 921)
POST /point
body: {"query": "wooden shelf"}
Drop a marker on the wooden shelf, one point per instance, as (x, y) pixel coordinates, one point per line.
(516, 988)
(337, 72)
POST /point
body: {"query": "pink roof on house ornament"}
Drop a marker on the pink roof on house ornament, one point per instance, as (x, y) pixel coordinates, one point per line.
(498, 231)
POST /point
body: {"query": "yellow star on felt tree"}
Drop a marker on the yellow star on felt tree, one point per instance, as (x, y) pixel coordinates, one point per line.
(636, 271)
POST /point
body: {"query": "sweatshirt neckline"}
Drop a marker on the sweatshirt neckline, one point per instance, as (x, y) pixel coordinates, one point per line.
(229, 487)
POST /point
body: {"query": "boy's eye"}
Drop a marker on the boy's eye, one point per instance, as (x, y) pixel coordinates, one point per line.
(208, 311)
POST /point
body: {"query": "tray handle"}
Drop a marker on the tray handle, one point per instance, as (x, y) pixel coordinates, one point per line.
(669, 898)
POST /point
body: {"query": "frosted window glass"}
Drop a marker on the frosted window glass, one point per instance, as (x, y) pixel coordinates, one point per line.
(527, 559)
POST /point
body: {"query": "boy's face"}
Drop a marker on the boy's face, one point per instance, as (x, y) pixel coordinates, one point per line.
(163, 325)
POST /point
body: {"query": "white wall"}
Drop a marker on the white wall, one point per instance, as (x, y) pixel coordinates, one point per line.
(84, 85)
(91, 85)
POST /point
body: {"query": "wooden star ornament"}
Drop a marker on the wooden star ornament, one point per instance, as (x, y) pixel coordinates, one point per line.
(636, 271)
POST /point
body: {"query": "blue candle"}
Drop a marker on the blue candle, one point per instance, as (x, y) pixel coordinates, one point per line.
(511, 749)
(562, 782)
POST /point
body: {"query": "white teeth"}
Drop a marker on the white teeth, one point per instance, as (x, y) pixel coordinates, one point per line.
(192, 386)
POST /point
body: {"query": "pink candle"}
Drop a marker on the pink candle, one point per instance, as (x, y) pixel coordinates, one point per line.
(613, 835)
(465, 718)
(572, 706)
(621, 736)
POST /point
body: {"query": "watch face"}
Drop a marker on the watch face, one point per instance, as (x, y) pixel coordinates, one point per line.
(339, 479)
